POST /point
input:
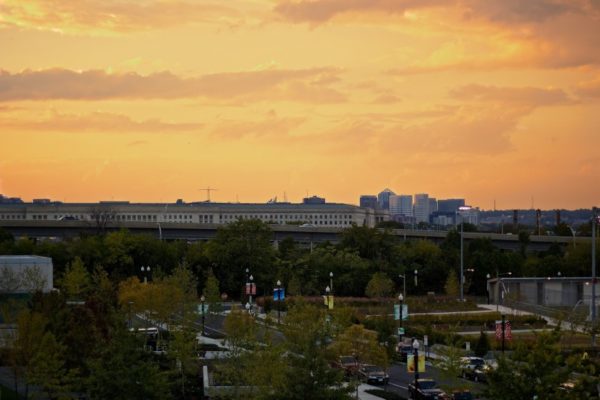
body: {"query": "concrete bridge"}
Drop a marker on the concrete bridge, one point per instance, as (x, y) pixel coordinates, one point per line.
(303, 235)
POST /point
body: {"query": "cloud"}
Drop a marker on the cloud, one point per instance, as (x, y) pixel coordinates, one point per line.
(518, 11)
(97, 122)
(590, 89)
(318, 11)
(505, 11)
(515, 95)
(112, 15)
(294, 85)
(273, 126)
(387, 98)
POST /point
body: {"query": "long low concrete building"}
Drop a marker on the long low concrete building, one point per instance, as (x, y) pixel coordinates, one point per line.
(318, 215)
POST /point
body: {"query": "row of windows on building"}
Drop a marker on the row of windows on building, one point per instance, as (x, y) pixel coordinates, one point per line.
(317, 219)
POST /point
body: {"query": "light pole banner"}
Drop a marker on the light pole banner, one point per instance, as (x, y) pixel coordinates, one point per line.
(202, 308)
(279, 294)
(328, 301)
(404, 312)
(410, 363)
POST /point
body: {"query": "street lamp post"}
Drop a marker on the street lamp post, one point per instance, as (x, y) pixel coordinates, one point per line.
(278, 301)
(404, 284)
(462, 276)
(416, 277)
(593, 303)
(251, 279)
(487, 287)
(415, 345)
(202, 298)
(331, 282)
(401, 323)
(497, 287)
(145, 272)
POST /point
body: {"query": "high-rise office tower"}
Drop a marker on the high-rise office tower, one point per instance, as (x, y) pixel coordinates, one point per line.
(383, 199)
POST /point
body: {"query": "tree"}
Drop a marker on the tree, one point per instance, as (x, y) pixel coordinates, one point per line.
(294, 286)
(123, 371)
(47, 369)
(212, 293)
(307, 373)
(31, 328)
(240, 245)
(483, 345)
(539, 369)
(361, 343)
(452, 287)
(380, 285)
(76, 280)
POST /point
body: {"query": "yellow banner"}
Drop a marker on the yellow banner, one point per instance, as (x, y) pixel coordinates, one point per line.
(410, 363)
(328, 301)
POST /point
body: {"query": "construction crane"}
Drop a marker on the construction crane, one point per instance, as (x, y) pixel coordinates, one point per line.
(208, 190)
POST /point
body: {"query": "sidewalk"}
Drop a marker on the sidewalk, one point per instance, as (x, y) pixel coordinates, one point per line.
(363, 395)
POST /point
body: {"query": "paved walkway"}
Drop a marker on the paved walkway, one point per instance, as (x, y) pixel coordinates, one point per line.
(363, 395)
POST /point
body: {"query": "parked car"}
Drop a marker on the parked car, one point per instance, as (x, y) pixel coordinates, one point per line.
(427, 390)
(373, 374)
(348, 364)
(479, 374)
(469, 365)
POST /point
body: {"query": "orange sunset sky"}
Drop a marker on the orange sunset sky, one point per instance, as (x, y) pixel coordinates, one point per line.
(151, 100)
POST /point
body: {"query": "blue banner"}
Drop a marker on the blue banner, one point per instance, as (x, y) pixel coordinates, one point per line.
(278, 294)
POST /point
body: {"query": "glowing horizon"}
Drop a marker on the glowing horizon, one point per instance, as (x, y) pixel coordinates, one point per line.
(151, 100)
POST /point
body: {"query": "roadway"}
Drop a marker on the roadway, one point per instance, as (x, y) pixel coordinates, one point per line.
(303, 235)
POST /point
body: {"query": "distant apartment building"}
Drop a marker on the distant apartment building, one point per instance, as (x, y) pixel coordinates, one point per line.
(383, 199)
(421, 207)
(433, 205)
(368, 201)
(450, 205)
(401, 205)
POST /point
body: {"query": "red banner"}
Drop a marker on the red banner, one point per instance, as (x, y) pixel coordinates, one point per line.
(507, 330)
(251, 289)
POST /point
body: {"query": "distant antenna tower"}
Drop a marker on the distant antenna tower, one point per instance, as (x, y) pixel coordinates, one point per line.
(285, 197)
(532, 202)
(494, 204)
(208, 190)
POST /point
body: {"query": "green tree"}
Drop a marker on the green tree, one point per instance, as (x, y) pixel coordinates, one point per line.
(452, 287)
(308, 375)
(361, 343)
(47, 369)
(294, 286)
(123, 371)
(76, 280)
(240, 245)
(538, 370)
(212, 293)
(483, 345)
(380, 285)
(31, 328)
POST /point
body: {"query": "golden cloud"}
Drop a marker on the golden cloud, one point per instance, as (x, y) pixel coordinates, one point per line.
(292, 85)
(97, 122)
(111, 15)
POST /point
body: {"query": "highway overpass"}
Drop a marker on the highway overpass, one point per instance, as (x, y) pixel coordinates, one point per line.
(305, 235)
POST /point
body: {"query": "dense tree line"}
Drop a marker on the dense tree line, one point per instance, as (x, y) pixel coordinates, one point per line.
(361, 253)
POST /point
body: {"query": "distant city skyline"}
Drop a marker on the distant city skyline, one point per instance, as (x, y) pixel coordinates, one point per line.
(152, 100)
(280, 198)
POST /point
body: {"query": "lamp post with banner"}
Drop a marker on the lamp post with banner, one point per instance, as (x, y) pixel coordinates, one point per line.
(202, 299)
(278, 296)
(250, 290)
